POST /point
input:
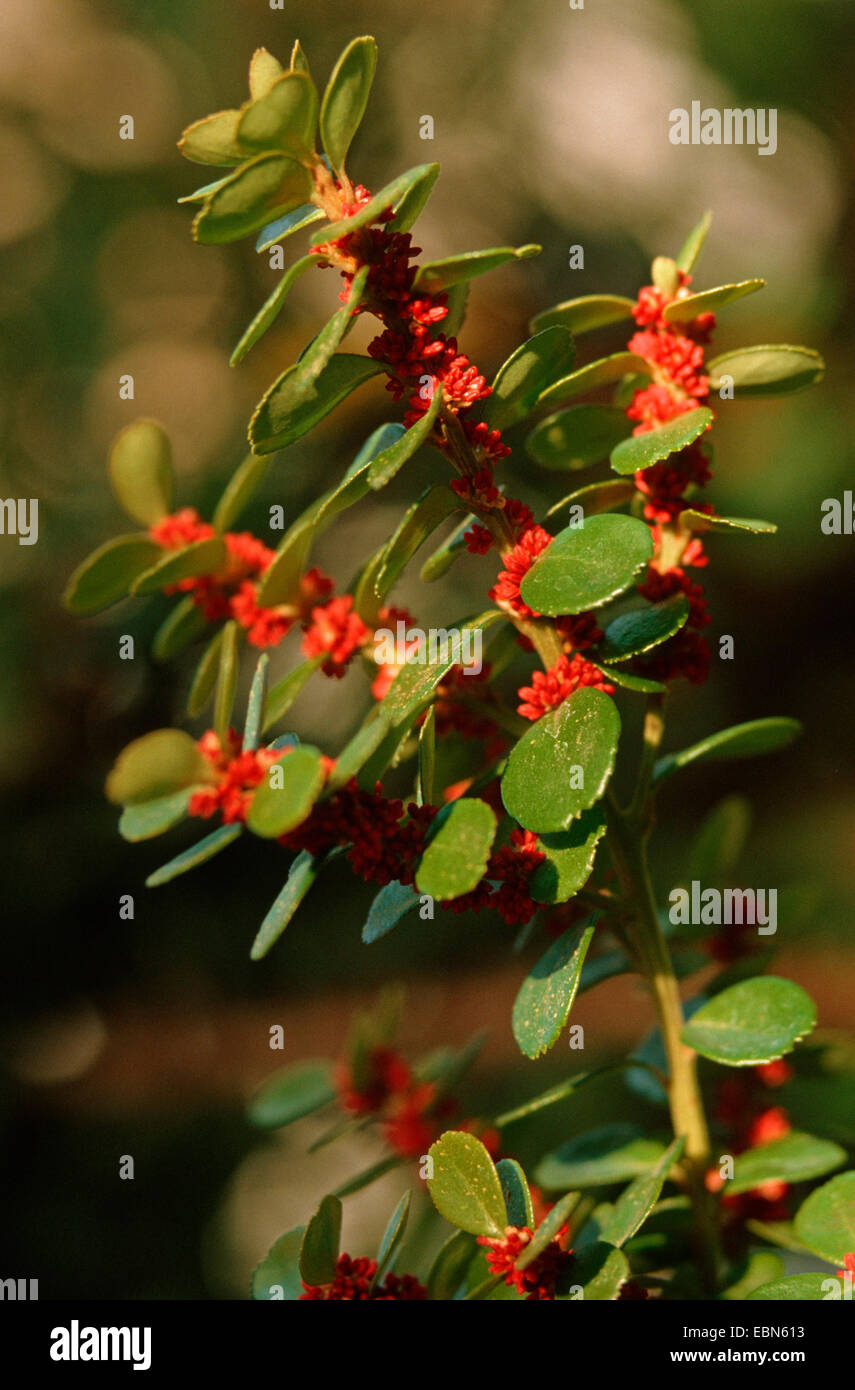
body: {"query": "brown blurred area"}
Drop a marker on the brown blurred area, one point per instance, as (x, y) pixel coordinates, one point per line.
(551, 125)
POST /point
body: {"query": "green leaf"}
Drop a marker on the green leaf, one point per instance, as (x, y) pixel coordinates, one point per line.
(434, 506)
(255, 705)
(427, 759)
(277, 1278)
(346, 98)
(760, 1267)
(515, 1192)
(543, 1004)
(562, 1091)
(284, 117)
(610, 1154)
(239, 491)
(640, 684)
(181, 627)
(200, 194)
(392, 903)
(587, 312)
(691, 520)
(604, 372)
(200, 853)
(263, 72)
(465, 1187)
(569, 859)
(694, 243)
(539, 787)
(213, 140)
(301, 876)
(274, 809)
(299, 61)
(227, 675)
(107, 574)
(767, 370)
(319, 1251)
(457, 855)
(450, 1265)
(527, 372)
(150, 818)
(416, 681)
(716, 849)
(798, 1288)
(290, 1094)
(435, 276)
(141, 471)
(826, 1219)
(643, 450)
(576, 437)
(188, 562)
(438, 563)
(708, 301)
(638, 1200)
(391, 459)
(367, 1176)
(643, 628)
(392, 1237)
(159, 763)
(740, 741)
(411, 205)
(369, 736)
(287, 225)
(795, 1157)
(586, 566)
(392, 196)
(755, 1021)
(278, 420)
(205, 678)
(548, 1229)
(597, 497)
(600, 1270)
(284, 693)
(258, 192)
(271, 307)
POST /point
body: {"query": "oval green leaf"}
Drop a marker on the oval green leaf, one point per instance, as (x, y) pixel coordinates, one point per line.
(159, 763)
(543, 1004)
(825, 1222)
(261, 190)
(108, 573)
(795, 1157)
(563, 764)
(465, 1187)
(141, 471)
(457, 855)
(586, 566)
(346, 98)
(767, 370)
(587, 312)
(641, 451)
(576, 437)
(752, 1022)
(275, 809)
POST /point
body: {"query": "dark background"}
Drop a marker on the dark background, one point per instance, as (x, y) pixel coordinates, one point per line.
(144, 1037)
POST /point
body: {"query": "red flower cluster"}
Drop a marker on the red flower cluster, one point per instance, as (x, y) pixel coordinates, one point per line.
(505, 885)
(384, 843)
(551, 688)
(337, 630)
(849, 1266)
(352, 1283)
(538, 1280)
(517, 563)
(238, 774)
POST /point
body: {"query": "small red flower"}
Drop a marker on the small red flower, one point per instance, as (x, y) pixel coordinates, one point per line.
(517, 564)
(537, 1281)
(335, 629)
(352, 1283)
(551, 688)
(238, 775)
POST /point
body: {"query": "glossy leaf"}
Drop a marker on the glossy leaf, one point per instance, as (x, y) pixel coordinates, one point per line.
(197, 558)
(278, 421)
(359, 749)
(239, 491)
(319, 1251)
(642, 629)
(641, 451)
(569, 859)
(270, 309)
(795, 1157)
(539, 788)
(767, 370)
(213, 140)
(290, 1094)
(283, 694)
(261, 190)
(197, 854)
(141, 471)
(416, 681)
(752, 1022)
(825, 1221)
(451, 1262)
(286, 225)
(627, 681)
(391, 459)
(691, 520)
(798, 1288)
(108, 573)
(515, 1192)
(708, 301)
(159, 763)
(597, 497)
(301, 876)
(610, 1154)
(576, 437)
(277, 1278)
(420, 521)
(435, 276)
(465, 1187)
(284, 117)
(346, 98)
(456, 857)
(543, 1004)
(392, 903)
(255, 705)
(527, 372)
(427, 758)
(604, 372)
(741, 741)
(274, 809)
(150, 818)
(410, 206)
(205, 677)
(440, 561)
(392, 1237)
(694, 243)
(636, 1203)
(600, 1270)
(586, 566)
(587, 312)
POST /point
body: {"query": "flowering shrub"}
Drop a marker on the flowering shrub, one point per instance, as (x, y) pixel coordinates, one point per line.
(597, 604)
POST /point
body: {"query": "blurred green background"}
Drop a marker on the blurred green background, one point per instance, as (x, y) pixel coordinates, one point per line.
(551, 125)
